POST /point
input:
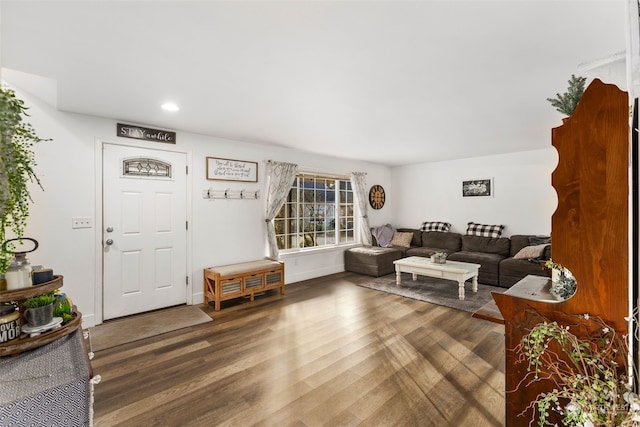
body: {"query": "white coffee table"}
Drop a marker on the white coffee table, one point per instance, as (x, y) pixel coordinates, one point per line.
(452, 270)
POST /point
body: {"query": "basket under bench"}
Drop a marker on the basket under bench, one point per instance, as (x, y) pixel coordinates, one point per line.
(238, 280)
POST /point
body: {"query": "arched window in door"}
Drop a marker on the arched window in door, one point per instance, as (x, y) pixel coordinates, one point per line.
(146, 167)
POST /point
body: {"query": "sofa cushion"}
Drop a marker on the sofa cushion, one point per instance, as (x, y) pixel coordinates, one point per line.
(371, 260)
(530, 252)
(435, 226)
(539, 240)
(447, 242)
(519, 241)
(513, 270)
(484, 230)
(417, 235)
(499, 246)
(401, 239)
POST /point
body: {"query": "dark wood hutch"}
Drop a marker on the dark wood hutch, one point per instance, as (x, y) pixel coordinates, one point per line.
(590, 232)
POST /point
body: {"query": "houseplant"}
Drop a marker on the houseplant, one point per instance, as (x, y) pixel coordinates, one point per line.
(38, 310)
(439, 258)
(16, 169)
(586, 364)
(563, 284)
(567, 102)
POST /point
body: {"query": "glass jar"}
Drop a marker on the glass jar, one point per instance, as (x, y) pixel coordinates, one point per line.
(18, 274)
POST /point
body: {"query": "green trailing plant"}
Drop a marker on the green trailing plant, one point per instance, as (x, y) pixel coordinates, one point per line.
(39, 301)
(586, 364)
(16, 169)
(567, 102)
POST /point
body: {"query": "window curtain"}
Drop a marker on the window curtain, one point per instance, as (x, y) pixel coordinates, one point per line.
(359, 186)
(280, 177)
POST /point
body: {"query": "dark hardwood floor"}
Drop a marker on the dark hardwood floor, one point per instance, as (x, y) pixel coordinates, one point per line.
(329, 353)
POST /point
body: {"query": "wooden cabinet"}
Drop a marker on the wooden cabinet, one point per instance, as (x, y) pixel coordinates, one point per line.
(590, 230)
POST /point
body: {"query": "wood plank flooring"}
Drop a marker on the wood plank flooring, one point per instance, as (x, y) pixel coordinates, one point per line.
(329, 353)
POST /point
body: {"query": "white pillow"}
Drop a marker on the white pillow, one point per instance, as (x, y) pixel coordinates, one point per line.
(530, 252)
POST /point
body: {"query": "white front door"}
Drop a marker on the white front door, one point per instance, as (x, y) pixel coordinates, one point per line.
(144, 229)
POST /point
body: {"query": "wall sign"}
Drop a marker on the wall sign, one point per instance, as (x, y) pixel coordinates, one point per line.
(231, 170)
(148, 134)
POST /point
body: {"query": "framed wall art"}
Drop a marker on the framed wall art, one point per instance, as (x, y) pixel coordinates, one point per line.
(478, 188)
(231, 170)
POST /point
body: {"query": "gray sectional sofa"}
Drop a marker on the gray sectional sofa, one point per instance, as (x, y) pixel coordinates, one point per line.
(494, 254)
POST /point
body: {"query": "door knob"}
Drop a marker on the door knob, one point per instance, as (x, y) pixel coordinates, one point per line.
(109, 229)
(109, 242)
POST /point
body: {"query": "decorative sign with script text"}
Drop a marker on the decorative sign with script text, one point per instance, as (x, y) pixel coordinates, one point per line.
(231, 170)
(139, 132)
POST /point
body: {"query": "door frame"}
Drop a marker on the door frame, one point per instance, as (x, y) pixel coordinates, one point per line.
(99, 226)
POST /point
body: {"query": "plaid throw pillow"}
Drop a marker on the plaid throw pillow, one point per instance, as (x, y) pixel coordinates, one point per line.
(484, 230)
(435, 226)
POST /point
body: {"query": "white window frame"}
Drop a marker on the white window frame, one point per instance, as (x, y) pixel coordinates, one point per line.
(344, 215)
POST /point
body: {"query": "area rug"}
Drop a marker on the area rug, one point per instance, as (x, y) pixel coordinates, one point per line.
(435, 291)
(133, 328)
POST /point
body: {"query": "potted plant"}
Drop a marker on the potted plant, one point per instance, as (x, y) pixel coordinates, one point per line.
(586, 364)
(439, 258)
(563, 284)
(567, 102)
(16, 169)
(38, 310)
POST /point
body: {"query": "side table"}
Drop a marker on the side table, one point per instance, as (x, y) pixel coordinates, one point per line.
(50, 385)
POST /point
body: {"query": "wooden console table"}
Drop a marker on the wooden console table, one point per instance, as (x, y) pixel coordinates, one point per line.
(238, 280)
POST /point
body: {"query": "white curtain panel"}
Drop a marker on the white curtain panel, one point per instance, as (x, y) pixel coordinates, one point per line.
(280, 177)
(359, 186)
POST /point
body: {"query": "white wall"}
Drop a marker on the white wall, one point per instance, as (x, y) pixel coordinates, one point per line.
(227, 231)
(523, 200)
(222, 231)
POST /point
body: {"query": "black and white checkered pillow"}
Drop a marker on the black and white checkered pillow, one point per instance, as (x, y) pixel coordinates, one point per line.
(435, 226)
(484, 230)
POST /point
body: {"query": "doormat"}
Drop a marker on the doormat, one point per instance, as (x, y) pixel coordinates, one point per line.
(435, 291)
(133, 328)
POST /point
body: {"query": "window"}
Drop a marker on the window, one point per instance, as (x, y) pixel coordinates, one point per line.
(318, 212)
(146, 167)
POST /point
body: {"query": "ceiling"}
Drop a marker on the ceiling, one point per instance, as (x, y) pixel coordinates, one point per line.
(388, 82)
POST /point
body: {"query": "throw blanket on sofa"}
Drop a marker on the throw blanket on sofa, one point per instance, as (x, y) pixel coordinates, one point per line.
(383, 235)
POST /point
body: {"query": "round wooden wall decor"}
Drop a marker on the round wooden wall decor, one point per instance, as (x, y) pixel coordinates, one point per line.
(376, 196)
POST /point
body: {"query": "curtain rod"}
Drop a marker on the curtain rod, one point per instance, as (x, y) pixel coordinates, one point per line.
(323, 175)
(320, 173)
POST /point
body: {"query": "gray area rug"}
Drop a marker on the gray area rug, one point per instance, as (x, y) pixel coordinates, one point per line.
(435, 291)
(133, 328)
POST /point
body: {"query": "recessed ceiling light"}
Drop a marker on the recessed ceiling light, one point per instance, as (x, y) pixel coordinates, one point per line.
(170, 106)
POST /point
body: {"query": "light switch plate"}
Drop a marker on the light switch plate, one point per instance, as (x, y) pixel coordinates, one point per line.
(81, 222)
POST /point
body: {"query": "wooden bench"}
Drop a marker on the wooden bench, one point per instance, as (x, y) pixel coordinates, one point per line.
(238, 280)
